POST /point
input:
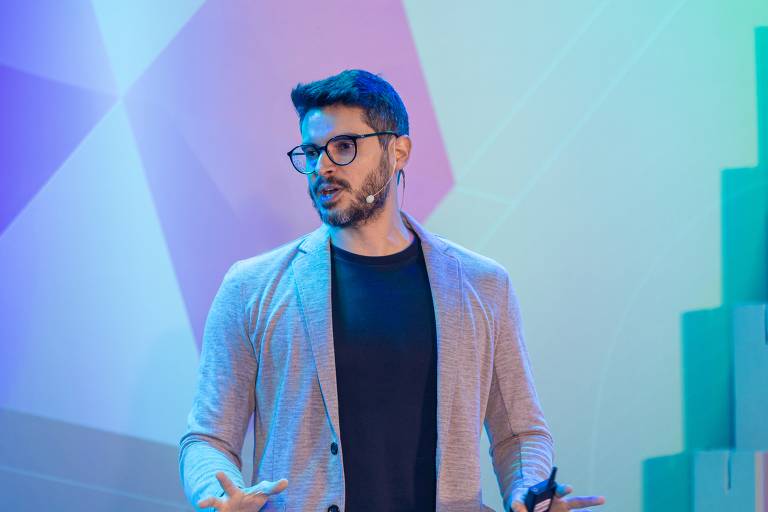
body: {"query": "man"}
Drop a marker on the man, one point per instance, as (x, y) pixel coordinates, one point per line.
(370, 351)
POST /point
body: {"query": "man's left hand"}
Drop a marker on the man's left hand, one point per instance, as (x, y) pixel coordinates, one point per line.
(559, 503)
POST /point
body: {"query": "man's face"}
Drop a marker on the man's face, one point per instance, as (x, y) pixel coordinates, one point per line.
(367, 173)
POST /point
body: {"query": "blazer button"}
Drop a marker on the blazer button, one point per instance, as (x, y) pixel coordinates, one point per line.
(334, 448)
(333, 508)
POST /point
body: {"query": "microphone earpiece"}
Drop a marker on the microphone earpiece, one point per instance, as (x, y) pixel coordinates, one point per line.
(369, 199)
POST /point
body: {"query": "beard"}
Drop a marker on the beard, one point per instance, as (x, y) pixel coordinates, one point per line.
(359, 212)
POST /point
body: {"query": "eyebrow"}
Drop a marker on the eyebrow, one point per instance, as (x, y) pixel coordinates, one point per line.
(307, 143)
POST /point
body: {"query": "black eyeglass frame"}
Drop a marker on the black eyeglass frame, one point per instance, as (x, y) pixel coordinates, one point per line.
(320, 149)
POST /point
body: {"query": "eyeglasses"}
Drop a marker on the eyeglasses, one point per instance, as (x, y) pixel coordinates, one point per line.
(341, 150)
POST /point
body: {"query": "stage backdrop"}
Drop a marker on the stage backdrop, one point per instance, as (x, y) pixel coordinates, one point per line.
(142, 151)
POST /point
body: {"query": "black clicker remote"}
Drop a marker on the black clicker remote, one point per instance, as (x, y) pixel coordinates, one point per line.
(539, 497)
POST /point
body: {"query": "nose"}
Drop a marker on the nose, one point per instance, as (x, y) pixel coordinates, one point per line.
(324, 165)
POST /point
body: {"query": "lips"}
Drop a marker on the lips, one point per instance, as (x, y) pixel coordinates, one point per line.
(327, 191)
(327, 194)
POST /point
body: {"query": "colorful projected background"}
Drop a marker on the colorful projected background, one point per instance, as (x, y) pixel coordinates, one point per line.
(142, 150)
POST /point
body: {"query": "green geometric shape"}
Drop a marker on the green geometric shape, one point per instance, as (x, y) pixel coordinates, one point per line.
(707, 357)
(745, 235)
(668, 483)
(761, 72)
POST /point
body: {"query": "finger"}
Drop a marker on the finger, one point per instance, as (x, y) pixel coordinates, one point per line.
(210, 502)
(563, 489)
(518, 507)
(584, 501)
(270, 488)
(226, 484)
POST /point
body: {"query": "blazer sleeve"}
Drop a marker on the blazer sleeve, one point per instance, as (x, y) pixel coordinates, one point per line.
(521, 444)
(224, 398)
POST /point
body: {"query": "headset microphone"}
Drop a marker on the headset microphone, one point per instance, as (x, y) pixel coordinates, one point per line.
(371, 197)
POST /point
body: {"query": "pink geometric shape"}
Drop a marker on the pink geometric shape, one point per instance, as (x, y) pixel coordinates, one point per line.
(223, 86)
(196, 220)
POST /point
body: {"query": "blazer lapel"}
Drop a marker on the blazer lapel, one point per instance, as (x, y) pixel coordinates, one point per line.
(445, 282)
(312, 272)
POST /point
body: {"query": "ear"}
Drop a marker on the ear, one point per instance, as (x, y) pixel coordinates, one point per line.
(402, 150)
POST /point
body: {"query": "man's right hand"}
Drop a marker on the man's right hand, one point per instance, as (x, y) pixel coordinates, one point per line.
(250, 499)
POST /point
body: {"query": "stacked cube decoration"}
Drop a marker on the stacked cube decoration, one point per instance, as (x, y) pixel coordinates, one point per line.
(724, 465)
(730, 480)
(750, 376)
(734, 479)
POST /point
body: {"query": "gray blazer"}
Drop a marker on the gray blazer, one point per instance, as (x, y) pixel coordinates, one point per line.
(268, 351)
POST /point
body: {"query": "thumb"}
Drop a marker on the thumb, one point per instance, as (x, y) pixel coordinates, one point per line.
(563, 490)
(517, 506)
(230, 488)
(274, 487)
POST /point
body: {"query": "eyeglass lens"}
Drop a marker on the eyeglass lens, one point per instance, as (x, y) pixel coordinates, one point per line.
(341, 150)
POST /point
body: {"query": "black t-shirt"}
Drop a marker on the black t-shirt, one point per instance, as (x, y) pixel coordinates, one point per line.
(386, 375)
